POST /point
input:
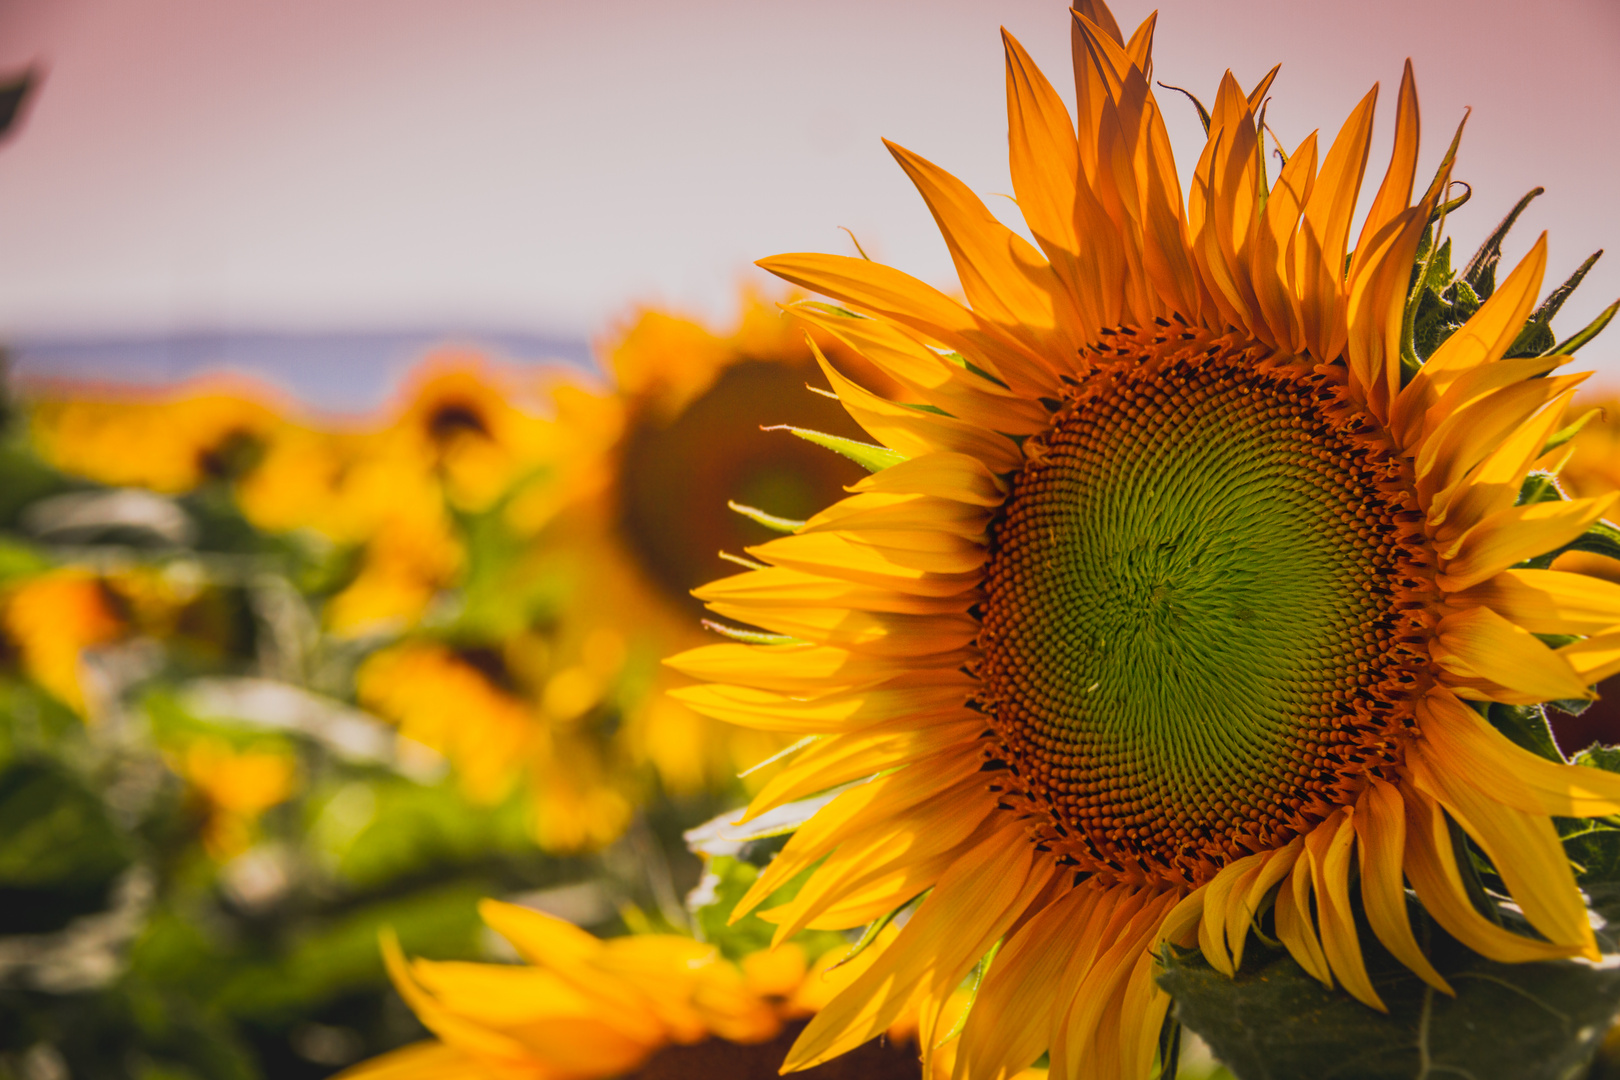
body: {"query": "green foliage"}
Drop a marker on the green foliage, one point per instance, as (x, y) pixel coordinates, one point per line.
(1546, 1020)
(1527, 726)
(1541, 1021)
(727, 878)
(60, 852)
(1442, 300)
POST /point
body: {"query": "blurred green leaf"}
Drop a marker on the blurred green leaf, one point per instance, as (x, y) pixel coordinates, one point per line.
(59, 850)
(725, 881)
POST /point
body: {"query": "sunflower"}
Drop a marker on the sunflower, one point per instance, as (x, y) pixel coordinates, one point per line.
(53, 619)
(1184, 587)
(642, 1007)
(669, 464)
(476, 707)
(170, 442)
(233, 788)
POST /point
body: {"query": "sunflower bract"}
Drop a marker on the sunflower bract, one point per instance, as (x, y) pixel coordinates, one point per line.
(1185, 598)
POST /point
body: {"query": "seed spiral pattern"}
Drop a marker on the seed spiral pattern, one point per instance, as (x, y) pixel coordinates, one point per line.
(1205, 610)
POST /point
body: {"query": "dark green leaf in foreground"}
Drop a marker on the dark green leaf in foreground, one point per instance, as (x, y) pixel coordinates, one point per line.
(1540, 1021)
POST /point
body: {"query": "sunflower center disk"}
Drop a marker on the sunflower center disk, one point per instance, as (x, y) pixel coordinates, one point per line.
(1201, 612)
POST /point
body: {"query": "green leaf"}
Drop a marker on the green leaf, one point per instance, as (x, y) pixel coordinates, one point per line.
(868, 456)
(1203, 113)
(60, 852)
(1601, 539)
(1593, 844)
(1539, 488)
(1527, 726)
(1566, 433)
(1541, 1021)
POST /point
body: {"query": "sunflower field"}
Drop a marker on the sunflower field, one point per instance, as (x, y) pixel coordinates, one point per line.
(1188, 646)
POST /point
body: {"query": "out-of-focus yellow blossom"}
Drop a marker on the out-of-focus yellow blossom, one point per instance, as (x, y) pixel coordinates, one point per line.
(467, 706)
(52, 619)
(643, 1006)
(170, 442)
(235, 787)
(1593, 469)
(474, 425)
(642, 517)
(443, 701)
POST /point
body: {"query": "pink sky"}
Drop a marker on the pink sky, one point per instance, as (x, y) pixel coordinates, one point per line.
(540, 165)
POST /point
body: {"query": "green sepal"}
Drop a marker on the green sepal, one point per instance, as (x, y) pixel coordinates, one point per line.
(1539, 487)
(1442, 303)
(1593, 844)
(873, 929)
(1568, 346)
(1536, 338)
(770, 521)
(1568, 432)
(868, 456)
(1203, 113)
(1480, 273)
(749, 637)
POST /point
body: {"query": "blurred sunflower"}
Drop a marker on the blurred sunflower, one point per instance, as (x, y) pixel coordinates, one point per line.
(644, 1007)
(1593, 469)
(233, 789)
(169, 442)
(52, 619)
(671, 462)
(463, 434)
(1181, 588)
(470, 706)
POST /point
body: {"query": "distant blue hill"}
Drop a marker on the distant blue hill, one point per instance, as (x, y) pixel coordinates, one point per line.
(345, 371)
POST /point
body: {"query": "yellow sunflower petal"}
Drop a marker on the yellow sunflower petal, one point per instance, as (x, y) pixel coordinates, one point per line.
(1329, 845)
(1524, 848)
(1295, 928)
(1005, 279)
(1325, 231)
(1514, 776)
(971, 907)
(1431, 864)
(1548, 601)
(1380, 821)
(938, 381)
(1594, 659)
(1518, 533)
(1012, 1015)
(1494, 484)
(1479, 643)
(941, 700)
(878, 290)
(947, 476)
(1482, 340)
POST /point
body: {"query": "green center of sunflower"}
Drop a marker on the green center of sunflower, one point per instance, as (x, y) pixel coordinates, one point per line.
(1199, 615)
